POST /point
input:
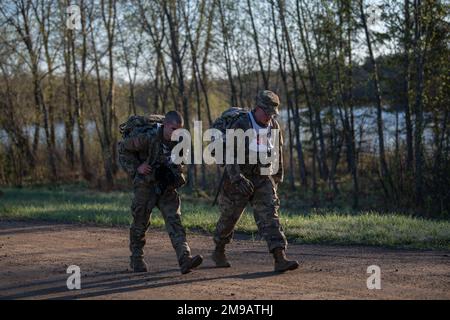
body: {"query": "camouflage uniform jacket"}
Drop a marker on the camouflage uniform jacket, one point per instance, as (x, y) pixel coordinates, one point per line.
(251, 170)
(147, 147)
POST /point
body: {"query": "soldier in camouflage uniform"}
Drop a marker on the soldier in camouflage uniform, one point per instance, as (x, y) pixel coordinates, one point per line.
(243, 183)
(144, 155)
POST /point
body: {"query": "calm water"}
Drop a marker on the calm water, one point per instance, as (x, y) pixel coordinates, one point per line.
(365, 123)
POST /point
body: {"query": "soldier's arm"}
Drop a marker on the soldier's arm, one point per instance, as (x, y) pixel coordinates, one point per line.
(279, 176)
(137, 143)
(128, 160)
(233, 170)
(128, 152)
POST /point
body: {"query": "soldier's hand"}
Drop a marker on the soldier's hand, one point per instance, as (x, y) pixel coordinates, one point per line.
(244, 186)
(144, 169)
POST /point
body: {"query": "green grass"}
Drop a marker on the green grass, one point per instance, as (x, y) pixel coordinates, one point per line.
(72, 204)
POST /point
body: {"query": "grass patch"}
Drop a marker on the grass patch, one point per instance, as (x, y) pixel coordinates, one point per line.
(69, 204)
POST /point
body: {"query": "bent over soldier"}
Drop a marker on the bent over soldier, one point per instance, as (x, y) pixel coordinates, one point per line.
(244, 183)
(147, 159)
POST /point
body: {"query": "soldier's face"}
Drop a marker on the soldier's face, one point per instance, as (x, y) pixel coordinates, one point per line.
(169, 128)
(262, 116)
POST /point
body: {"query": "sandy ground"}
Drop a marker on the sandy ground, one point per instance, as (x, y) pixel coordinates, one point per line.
(34, 258)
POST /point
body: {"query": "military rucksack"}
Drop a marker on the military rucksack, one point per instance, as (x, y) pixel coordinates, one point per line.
(226, 120)
(134, 126)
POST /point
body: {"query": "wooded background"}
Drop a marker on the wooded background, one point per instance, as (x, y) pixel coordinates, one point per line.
(364, 87)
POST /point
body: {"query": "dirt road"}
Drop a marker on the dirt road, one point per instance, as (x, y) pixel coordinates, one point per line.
(34, 258)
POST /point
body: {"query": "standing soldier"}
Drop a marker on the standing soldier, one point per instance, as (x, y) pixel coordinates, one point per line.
(244, 183)
(146, 157)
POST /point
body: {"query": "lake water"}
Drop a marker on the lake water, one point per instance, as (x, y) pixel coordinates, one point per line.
(365, 120)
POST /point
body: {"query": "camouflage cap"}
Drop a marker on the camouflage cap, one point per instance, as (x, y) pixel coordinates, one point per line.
(268, 101)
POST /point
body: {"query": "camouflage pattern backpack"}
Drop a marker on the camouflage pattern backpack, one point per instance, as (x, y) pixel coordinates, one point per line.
(227, 119)
(134, 126)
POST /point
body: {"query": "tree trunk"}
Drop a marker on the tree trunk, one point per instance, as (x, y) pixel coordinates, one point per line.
(258, 51)
(418, 107)
(406, 88)
(380, 126)
(295, 113)
(227, 55)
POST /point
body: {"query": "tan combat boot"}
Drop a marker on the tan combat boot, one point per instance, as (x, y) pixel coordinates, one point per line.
(220, 258)
(138, 264)
(282, 264)
(188, 263)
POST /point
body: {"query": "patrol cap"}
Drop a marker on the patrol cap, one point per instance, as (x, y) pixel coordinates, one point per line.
(268, 101)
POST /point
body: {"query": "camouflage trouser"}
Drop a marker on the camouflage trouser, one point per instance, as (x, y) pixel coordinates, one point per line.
(145, 199)
(265, 205)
